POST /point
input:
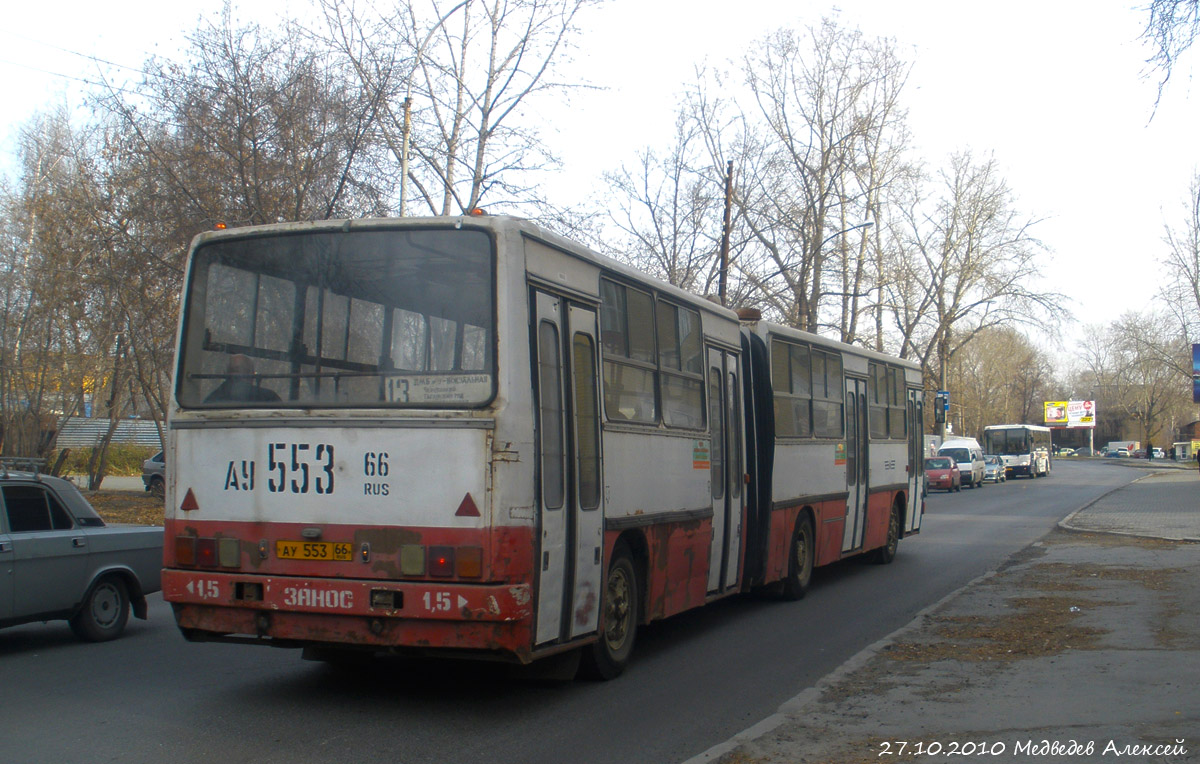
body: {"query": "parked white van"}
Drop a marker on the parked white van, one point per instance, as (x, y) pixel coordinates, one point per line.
(969, 455)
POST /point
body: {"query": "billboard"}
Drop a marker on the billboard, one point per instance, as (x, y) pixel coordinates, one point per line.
(1070, 413)
(1195, 373)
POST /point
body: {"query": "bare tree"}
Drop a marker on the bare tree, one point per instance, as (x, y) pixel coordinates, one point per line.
(669, 214)
(971, 257)
(464, 79)
(1142, 366)
(1171, 29)
(1181, 292)
(50, 333)
(1000, 378)
(253, 127)
(812, 168)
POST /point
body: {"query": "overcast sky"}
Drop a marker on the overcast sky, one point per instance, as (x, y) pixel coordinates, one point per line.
(1057, 91)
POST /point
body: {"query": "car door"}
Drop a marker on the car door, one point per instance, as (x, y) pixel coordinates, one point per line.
(6, 570)
(49, 551)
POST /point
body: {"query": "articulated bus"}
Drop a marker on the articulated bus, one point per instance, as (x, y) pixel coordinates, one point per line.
(1025, 448)
(468, 436)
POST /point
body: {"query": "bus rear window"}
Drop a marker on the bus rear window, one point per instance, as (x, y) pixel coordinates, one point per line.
(361, 318)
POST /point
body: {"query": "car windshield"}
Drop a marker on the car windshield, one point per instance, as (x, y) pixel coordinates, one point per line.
(959, 455)
(938, 463)
(1013, 441)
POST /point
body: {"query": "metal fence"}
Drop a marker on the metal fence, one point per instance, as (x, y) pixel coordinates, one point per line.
(86, 433)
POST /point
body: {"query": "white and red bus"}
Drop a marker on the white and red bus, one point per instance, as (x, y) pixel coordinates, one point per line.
(470, 436)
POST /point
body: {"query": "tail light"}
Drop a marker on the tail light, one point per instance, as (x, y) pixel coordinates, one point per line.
(416, 560)
(208, 552)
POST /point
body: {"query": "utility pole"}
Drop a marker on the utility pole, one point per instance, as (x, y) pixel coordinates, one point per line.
(406, 124)
(724, 274)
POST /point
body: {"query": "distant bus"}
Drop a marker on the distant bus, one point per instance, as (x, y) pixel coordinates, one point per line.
(470, 436)
(1025, 448)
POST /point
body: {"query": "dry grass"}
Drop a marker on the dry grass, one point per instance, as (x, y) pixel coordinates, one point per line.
(127, 507)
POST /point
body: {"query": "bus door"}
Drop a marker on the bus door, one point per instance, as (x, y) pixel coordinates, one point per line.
(858, 468)
(916, 458)
(726, 465)
(570, 515)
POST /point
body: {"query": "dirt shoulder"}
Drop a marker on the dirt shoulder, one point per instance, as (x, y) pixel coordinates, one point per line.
(127, 507)
(1082, 637)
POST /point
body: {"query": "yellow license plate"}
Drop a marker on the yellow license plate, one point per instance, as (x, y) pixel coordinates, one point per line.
(314, 550)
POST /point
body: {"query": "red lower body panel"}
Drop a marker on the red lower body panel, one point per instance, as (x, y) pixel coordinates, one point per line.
(430, 615)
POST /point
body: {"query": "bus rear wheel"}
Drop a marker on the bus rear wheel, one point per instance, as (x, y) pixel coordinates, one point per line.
(887, 552)
(800, 560)
(609, 655)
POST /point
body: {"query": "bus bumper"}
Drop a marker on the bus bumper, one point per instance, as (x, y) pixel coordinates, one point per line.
(383, 615)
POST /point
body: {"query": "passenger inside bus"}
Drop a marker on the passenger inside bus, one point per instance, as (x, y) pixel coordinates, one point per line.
(240, 385)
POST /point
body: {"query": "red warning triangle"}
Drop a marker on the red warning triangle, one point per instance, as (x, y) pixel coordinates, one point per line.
(467, 508)
(189, 502)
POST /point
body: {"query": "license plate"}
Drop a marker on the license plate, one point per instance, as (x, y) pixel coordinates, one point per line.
(314, 550)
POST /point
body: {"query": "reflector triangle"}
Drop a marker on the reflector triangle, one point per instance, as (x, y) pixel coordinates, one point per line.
(189, 502)
(467, 508)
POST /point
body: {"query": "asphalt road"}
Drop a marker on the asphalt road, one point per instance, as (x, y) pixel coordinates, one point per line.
(697, 679)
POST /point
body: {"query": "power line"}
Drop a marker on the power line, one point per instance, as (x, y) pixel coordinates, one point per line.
(60, 75)
(86, 56)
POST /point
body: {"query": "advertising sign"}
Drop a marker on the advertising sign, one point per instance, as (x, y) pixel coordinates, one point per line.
(1070, 413)
(1195, 373)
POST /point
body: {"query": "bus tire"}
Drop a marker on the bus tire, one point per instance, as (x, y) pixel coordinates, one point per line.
(800, 560)
(886, 553)
(608, 656)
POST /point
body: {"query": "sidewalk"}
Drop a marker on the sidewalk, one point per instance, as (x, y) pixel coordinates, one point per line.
(1084, 647)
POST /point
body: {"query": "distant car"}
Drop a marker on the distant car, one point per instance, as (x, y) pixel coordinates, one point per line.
(1159, 453)
(969, 455)
(154, 475)
(942, 473)
(58, 559)
(993, 469)
(1085, 451)
(1066, 452)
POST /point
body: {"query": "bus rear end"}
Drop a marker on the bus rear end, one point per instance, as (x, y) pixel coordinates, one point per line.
(333, 446)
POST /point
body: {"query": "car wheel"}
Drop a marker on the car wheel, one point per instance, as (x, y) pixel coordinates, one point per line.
(104, 612)
(158, 488)
(609, 655)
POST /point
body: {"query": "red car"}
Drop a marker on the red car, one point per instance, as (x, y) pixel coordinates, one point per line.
(942, 472)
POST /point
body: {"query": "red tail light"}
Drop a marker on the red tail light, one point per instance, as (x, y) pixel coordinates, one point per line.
(185, 550)
(441, 561)
(206, 552)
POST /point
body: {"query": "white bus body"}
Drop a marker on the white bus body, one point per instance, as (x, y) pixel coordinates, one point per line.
(1025, 448)
(471, 436)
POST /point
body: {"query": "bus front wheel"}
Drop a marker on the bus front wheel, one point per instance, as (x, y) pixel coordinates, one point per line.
(609, 655)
